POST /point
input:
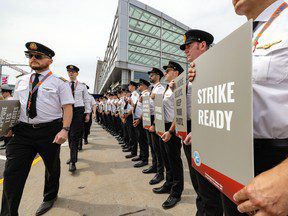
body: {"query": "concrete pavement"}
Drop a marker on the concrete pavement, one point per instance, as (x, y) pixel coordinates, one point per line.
(105, 184)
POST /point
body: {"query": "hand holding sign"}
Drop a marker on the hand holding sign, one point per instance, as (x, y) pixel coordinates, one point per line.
(266, 193)
(152, 129)
(188, 139)
(172, 85)
(192, 71)
(166, 136)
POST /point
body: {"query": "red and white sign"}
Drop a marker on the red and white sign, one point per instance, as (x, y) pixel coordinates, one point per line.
(4, 79)
(222, 126)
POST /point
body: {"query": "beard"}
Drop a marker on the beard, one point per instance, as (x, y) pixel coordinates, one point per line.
(37, 66)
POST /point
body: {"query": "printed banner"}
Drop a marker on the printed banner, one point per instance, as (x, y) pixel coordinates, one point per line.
(159, 114)
(146, 116)
(222, 125)
(180, 106)
(9, 115)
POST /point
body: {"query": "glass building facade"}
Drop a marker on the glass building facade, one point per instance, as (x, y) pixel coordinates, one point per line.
(141, 38)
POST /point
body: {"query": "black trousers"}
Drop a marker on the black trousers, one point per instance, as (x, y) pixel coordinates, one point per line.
(125, 133)
(119, 126)
(132, 135)
(7, 140)
(97, 116)
(157, 149)
(87, 127)
(149, 140)
(171, 154)
(143, 143)
(20, 152)
(76, 132)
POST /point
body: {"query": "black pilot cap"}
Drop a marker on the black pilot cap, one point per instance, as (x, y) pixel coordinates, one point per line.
(156, 71)
(174, 66)
(197, 35)
(39, 48)
(72, 68)
(145, 82)
(133, 83)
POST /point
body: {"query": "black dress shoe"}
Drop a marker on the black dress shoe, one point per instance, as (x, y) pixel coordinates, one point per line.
(68, 161)
(157, 179)
(127, 150)
(136, 159)
(140, 164)
(170, 202)
(161, 190)
(85, 142)
(45, 207)
(130, 156)
(151, 169)
(72, 167)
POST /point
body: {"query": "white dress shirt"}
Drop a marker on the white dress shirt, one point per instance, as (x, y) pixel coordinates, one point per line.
(81, 96)
(51, 96)
(92, 102)
(138, 110)
(157, 89)
(134, 97)
(270, 76)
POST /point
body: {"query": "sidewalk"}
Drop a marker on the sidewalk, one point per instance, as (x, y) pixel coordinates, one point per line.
(105, 184)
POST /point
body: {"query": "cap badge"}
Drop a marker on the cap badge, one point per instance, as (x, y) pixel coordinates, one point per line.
(71, 67)
(185, 38)
(33, 46)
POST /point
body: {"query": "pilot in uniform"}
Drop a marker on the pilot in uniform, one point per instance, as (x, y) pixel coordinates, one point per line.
(171, 144)
(81, 106)
(45, 116)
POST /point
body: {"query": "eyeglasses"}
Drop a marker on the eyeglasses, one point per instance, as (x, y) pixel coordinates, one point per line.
(36, 56)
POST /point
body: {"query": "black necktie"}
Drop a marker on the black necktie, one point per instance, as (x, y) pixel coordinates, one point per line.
(151, 90)
(255, 24)
(32, 112)
(167, 87)
(72, 87)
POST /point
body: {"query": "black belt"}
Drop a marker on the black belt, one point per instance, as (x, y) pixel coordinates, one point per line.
(271, 143)
(41, 125)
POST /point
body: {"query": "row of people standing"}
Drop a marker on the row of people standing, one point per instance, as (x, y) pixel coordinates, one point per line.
(166, 149)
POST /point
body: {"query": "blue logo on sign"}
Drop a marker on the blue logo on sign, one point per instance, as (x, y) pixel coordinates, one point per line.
(197, 158)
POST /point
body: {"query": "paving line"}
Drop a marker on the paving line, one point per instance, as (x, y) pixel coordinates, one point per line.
(35, 161)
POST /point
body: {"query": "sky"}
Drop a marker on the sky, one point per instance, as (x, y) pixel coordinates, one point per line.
(78, 31)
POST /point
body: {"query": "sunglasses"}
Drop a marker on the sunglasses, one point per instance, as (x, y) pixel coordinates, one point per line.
(36, 56)
(70, 71)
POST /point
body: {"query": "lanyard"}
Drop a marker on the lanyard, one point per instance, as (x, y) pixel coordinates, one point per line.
(278, 11)
(31, 91)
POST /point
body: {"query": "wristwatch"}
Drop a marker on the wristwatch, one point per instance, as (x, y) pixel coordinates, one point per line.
(66, 128)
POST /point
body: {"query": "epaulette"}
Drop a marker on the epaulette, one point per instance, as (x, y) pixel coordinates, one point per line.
(61, 78)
